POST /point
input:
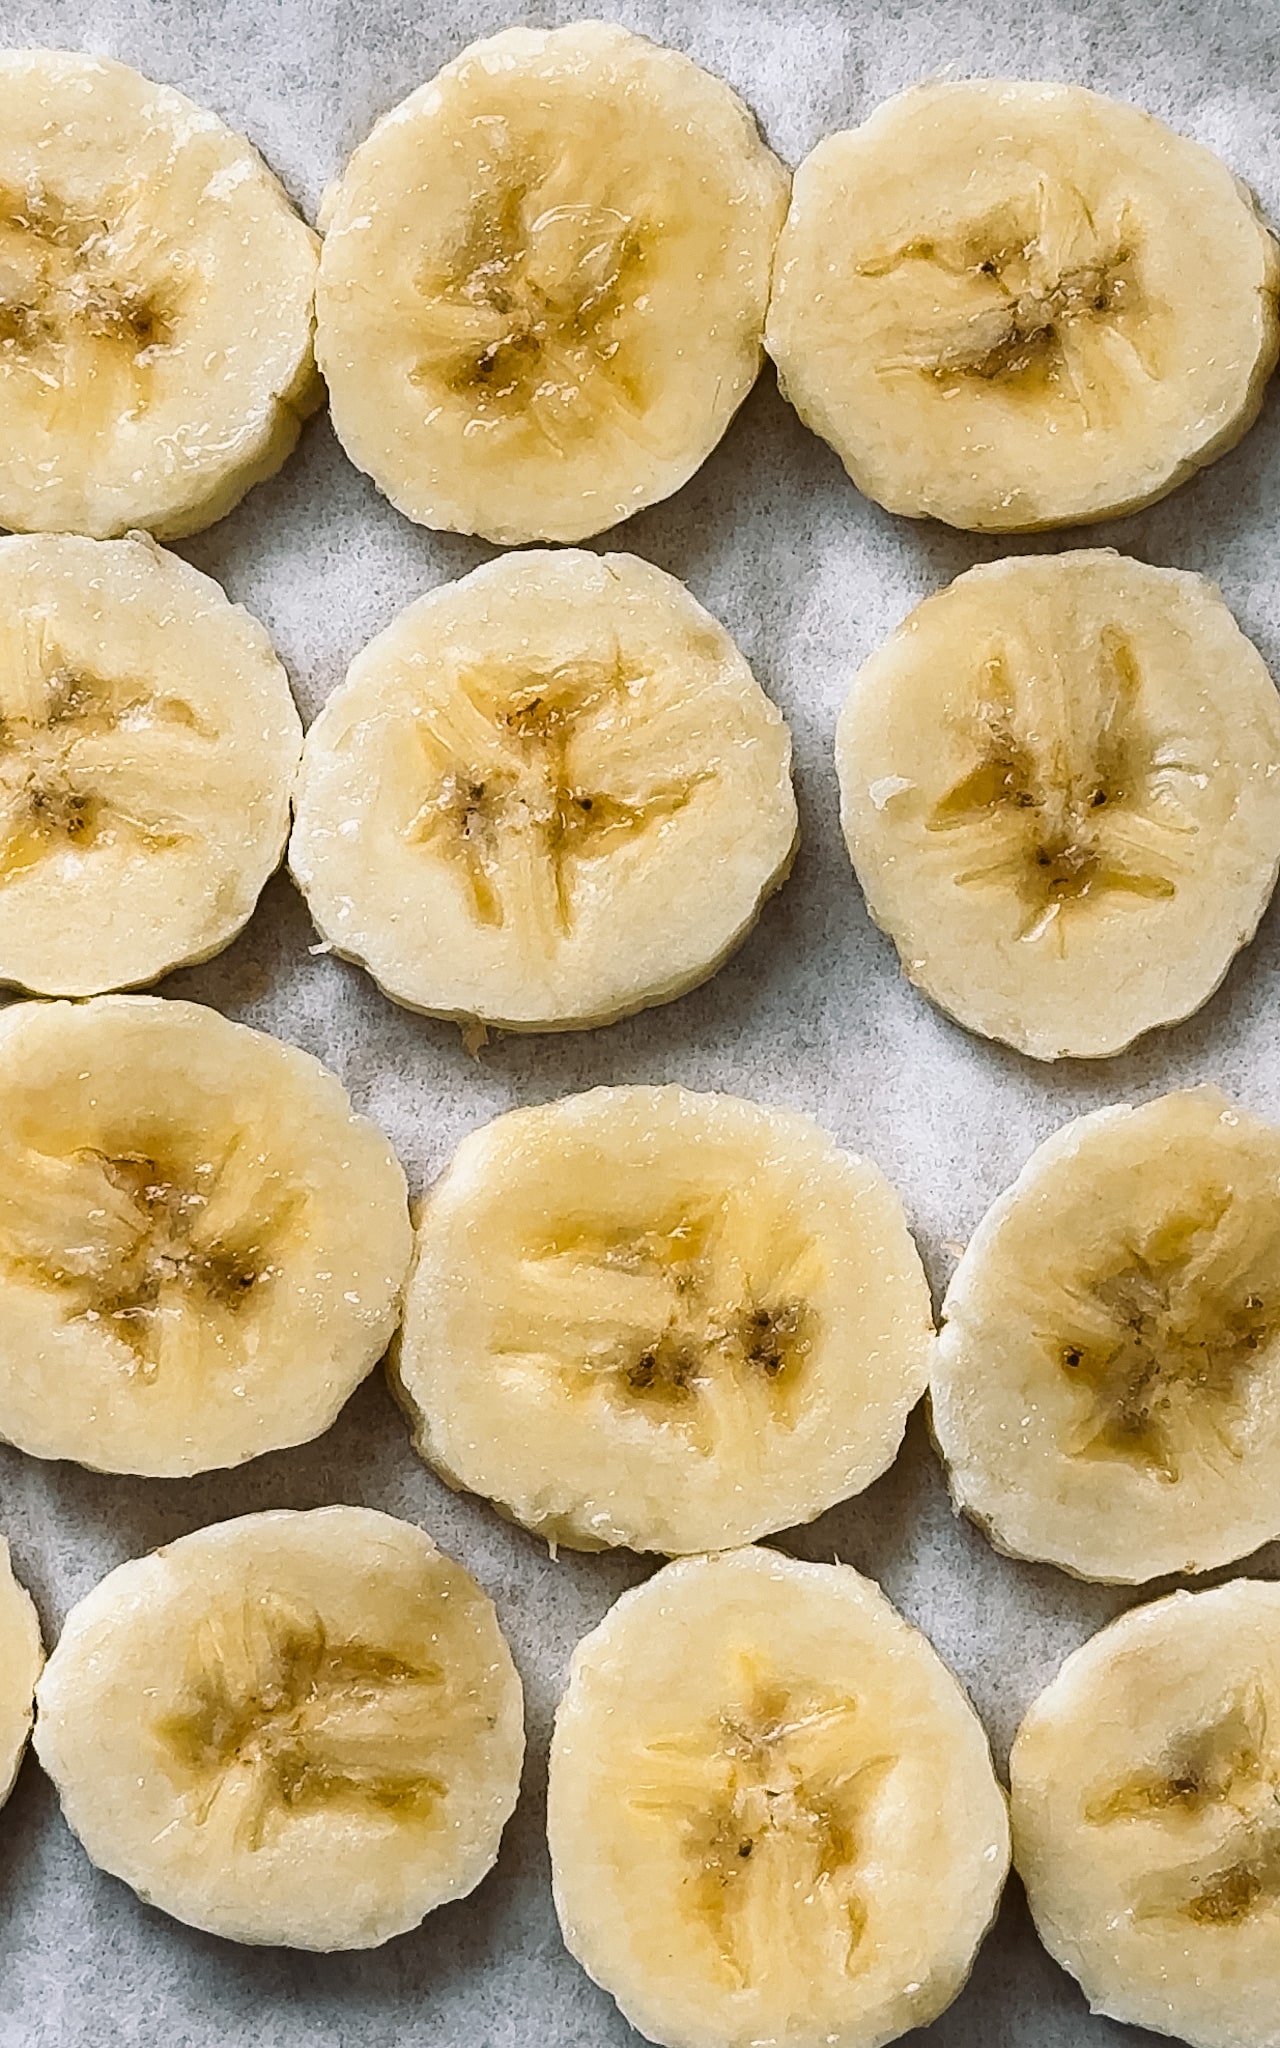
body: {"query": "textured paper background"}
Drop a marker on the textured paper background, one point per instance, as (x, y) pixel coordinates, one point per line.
(812, 1013)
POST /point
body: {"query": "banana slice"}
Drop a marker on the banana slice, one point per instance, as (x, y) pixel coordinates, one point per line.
(1011, 305)
(201, 1244)
(1060, 787)
(1106, 1387)
(547, 796)
(672, 1321)
(156, 304)
(1146, 1816)
(21, 1656)
(543, 286)
(302, 1730)
(148, 745)
(772, 1812)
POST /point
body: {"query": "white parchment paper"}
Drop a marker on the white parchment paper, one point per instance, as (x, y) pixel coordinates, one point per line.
(811, 1014)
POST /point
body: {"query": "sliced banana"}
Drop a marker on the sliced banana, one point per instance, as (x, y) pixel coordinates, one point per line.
(1011, 305)
(543, 286)
(674, 1321)
(546, 796)
(772, 1813)
(1146, 1816)
(303, 1730)
(1060, 787)
(1106, 1386)
(21, 1656)
(148, 745)
(156, 304)
(201, 1244)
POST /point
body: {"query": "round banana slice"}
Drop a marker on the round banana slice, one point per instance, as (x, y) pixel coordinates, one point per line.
(302, 1730)
(148, 745)
(1011, 305)
(1060, 787)
(547, 796)
(156, 304)
(21, 1656)
(543, 286)
(1106, 1387)
(672, 1321)
(772, 1811)
(1146, 1816)
(201, 1244)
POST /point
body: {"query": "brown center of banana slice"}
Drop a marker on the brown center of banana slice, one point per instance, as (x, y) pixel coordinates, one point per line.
(282, 1720)
(155, 1253)
(87, 303)
(58, 726)
(1165, 1342)
(525, 317)
(516, 813)
(771, 1802)
(1072, 798)
(695, 1342)
(1224, 1779)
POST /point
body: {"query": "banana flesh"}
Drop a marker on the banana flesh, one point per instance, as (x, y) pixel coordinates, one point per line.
(641, 1316)
(1060, 788)
(547, 796)
(156, 305)
(561, 332)
(1145, 1783)
(771, 1809)
(21, 1656)
(201, 1244)
(298, 1729)
(1011, 305)
(1106, 1386)
(148, 744)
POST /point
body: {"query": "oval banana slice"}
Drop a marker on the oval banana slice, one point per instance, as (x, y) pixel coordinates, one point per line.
(543, 285)
(1146, 1796)
(303, 1730)
(156, 304)
(1106, 1386)
(148, 746)
(21, 1656)
(201, 1244)
(1011, 305)
(674, 1321)
(1060, 787)
(771, 1810)
(547, 796)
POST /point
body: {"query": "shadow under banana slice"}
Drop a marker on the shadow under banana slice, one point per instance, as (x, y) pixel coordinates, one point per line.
(543, 283)
(1011, 305)
(1106, 1384)
(298, 1729)
(1145, 1787)
(1060, 788)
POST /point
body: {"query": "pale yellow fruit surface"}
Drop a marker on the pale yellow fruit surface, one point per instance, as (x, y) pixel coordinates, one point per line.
(1146, 1788)
(547, 796)
(156, 304)
(641, 1316)
(543, 286)
(148, 746)
(772, 1812)
(302, 1730)
(21, 1656)
(1106, 1385)
(202, 1245)
(1011, 305)
(1060, 788)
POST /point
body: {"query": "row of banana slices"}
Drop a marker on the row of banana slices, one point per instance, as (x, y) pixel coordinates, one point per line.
(638, 1316)
(772, 1810)
(549, 275)
(553, 793)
